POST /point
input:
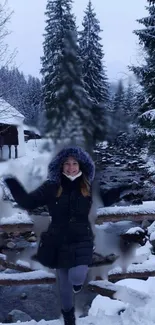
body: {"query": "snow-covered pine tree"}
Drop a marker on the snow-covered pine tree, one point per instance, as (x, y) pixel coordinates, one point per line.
(74, 117)
(59, 20)
(130, 104)
(22, 93)
(146, 72)
(14, 88)
(35, 101)
(91, 53)
(72, 133)
(118, 111)
(4, 81)
(119, 97)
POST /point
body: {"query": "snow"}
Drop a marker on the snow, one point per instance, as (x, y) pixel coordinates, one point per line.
(148, 207)
(139, 285)
(39, 274)
(31, 129)
(149, 115)
(2, 256)
(151, 228)
(142, 253)
(152, 236)
(149, 162)
(134, 230)
(147, 265)
(31, 170)
(124, 292)
(103, 145)
(1, 193)
(106, 305)
(34, 164)
(17, 217)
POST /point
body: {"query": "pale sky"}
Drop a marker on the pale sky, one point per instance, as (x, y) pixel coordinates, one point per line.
(117, 19)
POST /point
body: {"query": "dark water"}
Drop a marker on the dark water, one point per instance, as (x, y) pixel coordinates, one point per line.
(42, 301)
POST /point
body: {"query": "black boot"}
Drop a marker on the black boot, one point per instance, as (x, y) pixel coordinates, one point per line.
(69, 317)
(77, 289)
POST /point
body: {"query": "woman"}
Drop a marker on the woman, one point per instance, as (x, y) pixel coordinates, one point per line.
(68, 244)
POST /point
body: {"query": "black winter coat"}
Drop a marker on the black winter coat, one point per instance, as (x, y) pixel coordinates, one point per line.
(69, 239)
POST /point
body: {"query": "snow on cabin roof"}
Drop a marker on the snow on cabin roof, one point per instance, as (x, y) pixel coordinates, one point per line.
(31, 129)
(9, 115)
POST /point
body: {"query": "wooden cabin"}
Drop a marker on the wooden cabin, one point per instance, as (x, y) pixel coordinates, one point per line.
(11, 132)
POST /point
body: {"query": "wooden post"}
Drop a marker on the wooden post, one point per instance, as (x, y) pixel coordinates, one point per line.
(9, 151)
(16, 152)
(1, 152)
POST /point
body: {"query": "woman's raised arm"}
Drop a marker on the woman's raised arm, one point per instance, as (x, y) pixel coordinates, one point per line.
(32, 200)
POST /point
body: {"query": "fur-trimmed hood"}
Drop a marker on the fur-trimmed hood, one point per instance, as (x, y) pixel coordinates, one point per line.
(87, 165)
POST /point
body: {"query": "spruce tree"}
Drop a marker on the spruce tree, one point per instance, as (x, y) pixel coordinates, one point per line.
(34, 99)
(22, 93)
(146, 72)
(146, 76)
(59, 20)
(73, 118)
(118, 114)
(91, 53)
(69, 108)
(119, 97)
(130, 101)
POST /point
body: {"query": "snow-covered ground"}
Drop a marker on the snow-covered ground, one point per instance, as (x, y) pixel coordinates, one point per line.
(137, 296)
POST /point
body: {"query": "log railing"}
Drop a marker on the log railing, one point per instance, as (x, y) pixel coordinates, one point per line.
(136, 213)
(145, 211)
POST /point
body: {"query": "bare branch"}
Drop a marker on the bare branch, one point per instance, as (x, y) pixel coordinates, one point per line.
(5, 16)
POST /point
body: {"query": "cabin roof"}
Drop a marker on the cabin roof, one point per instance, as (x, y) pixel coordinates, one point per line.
(9, 114)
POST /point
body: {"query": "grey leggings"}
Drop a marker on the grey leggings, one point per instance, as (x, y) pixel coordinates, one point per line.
(67, 278)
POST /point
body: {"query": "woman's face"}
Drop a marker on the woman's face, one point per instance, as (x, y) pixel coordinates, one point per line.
(71, 167)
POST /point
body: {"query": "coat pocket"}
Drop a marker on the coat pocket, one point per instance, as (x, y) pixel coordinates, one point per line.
(81, 232)
(46, 253)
